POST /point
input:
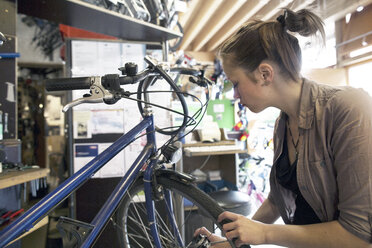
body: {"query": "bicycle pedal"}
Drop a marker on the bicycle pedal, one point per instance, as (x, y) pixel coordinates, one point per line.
(73, 232)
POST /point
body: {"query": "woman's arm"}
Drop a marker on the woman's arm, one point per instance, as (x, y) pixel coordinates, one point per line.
(328, 234)
(267, 213)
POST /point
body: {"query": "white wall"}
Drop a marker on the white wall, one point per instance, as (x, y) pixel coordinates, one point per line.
(332, 76)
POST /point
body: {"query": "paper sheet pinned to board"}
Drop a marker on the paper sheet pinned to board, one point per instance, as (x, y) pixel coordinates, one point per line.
(84, 153)
(107, 121)
(82, 125)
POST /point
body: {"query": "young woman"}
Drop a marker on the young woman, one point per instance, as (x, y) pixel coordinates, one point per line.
(321, 180)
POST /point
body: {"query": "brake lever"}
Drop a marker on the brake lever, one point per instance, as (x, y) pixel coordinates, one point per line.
(154, 63)
(97, 95)
(151, 61)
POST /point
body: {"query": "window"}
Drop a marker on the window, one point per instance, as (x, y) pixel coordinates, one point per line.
(314, 54)
(360, 76)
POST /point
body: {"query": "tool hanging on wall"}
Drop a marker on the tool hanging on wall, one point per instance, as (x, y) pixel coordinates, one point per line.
(36, 186)
(2, 39)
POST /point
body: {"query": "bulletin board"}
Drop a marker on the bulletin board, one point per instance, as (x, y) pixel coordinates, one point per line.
(96, 126)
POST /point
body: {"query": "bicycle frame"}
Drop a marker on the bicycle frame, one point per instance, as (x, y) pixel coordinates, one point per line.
(44, 206)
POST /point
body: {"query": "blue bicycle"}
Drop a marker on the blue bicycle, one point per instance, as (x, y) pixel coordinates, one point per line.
(152, 206)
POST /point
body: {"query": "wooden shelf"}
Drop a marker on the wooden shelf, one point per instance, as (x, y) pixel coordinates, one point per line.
(89, 17)
(219, 143)
(224, 143)
(194, 154)
(12, 178)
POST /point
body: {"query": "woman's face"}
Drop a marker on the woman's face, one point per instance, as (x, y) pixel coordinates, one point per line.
(249, 91)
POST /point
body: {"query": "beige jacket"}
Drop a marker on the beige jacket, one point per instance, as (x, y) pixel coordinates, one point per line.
(334, 169)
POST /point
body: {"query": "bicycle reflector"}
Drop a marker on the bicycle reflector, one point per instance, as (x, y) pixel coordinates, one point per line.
(172, 153)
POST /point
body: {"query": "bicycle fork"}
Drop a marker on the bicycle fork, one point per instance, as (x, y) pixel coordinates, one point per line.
(149, 186)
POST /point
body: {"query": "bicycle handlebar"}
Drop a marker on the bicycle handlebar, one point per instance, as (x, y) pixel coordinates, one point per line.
(81, 83)
(61, 84)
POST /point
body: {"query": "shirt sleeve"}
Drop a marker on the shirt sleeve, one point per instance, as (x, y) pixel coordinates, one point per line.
(351, 142)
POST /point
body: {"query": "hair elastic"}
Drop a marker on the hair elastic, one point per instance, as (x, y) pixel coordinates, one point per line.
(281, 18)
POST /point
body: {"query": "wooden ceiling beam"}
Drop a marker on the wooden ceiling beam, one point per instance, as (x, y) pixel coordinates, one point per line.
(295, 5)
(276, 6)
(301, 5)
(339, 11)
(208, 23)
(186, 17)
(223, 14)
(271, 9)
(204, 14)
(243, 15)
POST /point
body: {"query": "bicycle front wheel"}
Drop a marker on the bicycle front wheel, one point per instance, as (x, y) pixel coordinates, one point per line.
(192, 209)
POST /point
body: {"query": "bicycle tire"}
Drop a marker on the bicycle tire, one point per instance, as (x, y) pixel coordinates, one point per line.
(175, 44)
(131, 218)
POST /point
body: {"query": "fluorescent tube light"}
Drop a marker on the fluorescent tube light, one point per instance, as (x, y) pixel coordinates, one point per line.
(360, 51)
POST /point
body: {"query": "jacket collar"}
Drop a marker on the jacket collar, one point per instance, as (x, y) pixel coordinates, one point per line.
(309, 94)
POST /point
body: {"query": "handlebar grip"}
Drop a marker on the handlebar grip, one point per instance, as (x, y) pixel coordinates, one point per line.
(59, 84)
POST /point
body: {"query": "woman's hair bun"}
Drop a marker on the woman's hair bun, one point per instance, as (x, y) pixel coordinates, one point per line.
(304, 22)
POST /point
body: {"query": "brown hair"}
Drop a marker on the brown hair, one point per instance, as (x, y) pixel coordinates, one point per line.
(258, 40)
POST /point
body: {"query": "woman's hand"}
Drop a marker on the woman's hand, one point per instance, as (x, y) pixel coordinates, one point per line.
(244, 230)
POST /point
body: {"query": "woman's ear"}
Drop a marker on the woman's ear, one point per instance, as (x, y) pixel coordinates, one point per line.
(266, 73)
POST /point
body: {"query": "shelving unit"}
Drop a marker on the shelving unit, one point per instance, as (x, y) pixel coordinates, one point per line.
(225, 161)
(12, 178)
(96, 19)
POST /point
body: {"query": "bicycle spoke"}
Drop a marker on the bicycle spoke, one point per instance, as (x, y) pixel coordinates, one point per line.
(135, 240)
(164, 227)
(133, 215)
(140, 219)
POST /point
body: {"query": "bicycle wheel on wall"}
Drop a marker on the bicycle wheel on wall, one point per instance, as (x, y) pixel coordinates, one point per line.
(174, 44)
(195, 209)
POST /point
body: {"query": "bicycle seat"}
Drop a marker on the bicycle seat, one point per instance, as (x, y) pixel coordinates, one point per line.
(233, 201)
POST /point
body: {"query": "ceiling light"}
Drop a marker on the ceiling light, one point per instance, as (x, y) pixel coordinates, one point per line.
(364, 42)
(360, 51)
(360, 8)
(347, 17)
